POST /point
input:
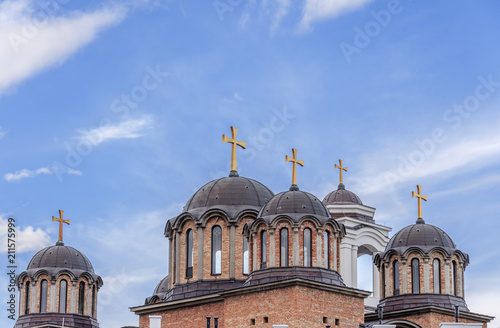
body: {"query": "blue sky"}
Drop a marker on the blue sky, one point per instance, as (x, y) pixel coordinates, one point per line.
(114, 111)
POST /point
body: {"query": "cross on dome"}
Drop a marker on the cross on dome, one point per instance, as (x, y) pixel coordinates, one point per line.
(419, 195)
(234, 143)
(61, 221)
(340, 167)
(294, 161)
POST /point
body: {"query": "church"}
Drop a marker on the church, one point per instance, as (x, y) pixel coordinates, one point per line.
(241, 255)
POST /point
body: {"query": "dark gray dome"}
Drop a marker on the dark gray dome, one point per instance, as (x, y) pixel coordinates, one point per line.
(294, 202)
(232, 190)
(422, 235)
(342, 196)
(60, 256)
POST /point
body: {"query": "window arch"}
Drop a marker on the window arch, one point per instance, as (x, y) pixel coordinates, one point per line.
(216, 250)
(395, 277)
(326, 249)
(284, 247)
(307, 247)
(27, 298)
(263, 249)
(63, 295)
(189, 253)
(81, 297)
(43, 296)
(436, 272)
(246, 257)
(454, 278)
(415, 276)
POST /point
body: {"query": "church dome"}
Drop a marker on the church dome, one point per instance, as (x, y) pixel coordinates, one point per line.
(60, 257)
(295, 203)
(342, 196)
(422, 235)
(231, 190)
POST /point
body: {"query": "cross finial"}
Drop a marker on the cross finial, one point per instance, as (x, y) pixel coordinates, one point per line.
(419, 195)
(61, 221)
(294, 161)
(234, 143)
(341, 168)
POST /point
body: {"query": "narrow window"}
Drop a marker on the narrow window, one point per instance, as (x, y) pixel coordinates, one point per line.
(415, 276)
(93, 301)
(382, 270)
(454, 278)
(189, 253)
(63, 294)
(27, 298)
(436, 270)
(263, 248)
(245, 256)
(81, 297)
(307, 247)
(43, 296)
(208, 322)
(395, 274)
(326, 249)
(284, 247)
(216, 250)
(216, 322)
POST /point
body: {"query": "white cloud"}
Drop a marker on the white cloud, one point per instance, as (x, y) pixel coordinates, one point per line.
(278, 9)
(128, 129)
(317, 10)
(34, 38)
(27, 239)
(2, 132)
(25, 173)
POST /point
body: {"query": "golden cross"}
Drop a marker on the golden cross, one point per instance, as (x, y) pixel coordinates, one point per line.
(295, 161)
(61, 221)
(234, 143)
(420, 197)
(341, 168)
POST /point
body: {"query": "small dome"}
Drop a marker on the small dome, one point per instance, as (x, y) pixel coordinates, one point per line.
(294, 201)
(342, 196)
(232, 190)
(422, 235)
(60, 256)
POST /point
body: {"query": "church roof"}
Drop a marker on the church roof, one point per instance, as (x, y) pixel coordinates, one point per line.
(60, 256)
(342, 196)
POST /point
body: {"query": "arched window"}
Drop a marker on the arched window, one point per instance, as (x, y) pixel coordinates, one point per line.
(436, 272)
(63, 294)
(43, 296)
(454, 278)
(81, 297)
(326, 249)
(284, 247)
(27, 298)
(245, 256)
(216, 250)
(93, 301)
(415, 276)
(395, 277)
(263, 249)
(307, 247)
(189, 253)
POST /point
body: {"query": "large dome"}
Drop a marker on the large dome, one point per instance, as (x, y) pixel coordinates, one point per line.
(294, 203)
(422, 235)
(342, 196)
(60, 257)
(232, 190)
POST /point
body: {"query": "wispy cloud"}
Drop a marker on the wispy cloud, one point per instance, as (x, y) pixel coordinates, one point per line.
(128, 129)
(317, 10)
(278, 9)
(33, 38)
(25, 173)
(27, 238)
(2, 132)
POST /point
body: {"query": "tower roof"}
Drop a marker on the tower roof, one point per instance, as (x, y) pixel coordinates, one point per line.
(60, 257)
(342, 196)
